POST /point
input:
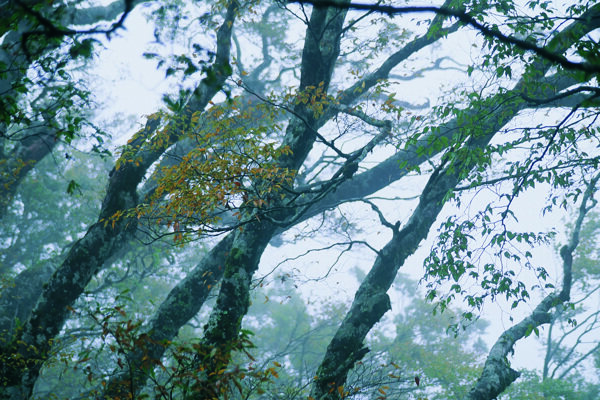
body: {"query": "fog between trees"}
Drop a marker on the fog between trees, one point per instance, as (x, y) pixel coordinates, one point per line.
(306, 126)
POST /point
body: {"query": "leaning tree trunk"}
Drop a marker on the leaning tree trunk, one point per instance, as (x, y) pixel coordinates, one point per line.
(371, 300)
(107, 235)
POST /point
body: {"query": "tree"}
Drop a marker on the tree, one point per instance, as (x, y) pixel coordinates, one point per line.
(249, 148)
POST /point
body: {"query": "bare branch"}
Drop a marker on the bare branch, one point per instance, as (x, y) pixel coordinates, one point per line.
(467, 19)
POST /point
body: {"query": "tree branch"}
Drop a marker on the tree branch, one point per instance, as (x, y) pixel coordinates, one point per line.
(467, 19)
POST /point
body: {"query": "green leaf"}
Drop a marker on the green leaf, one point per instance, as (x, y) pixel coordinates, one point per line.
(82, 49)
(529, 330)
(72, 187)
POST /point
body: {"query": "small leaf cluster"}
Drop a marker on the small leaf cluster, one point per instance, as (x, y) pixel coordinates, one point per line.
(457, 261)
(232, 166)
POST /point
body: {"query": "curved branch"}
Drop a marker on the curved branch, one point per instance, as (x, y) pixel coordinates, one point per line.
(51, 29)
(95, 14)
